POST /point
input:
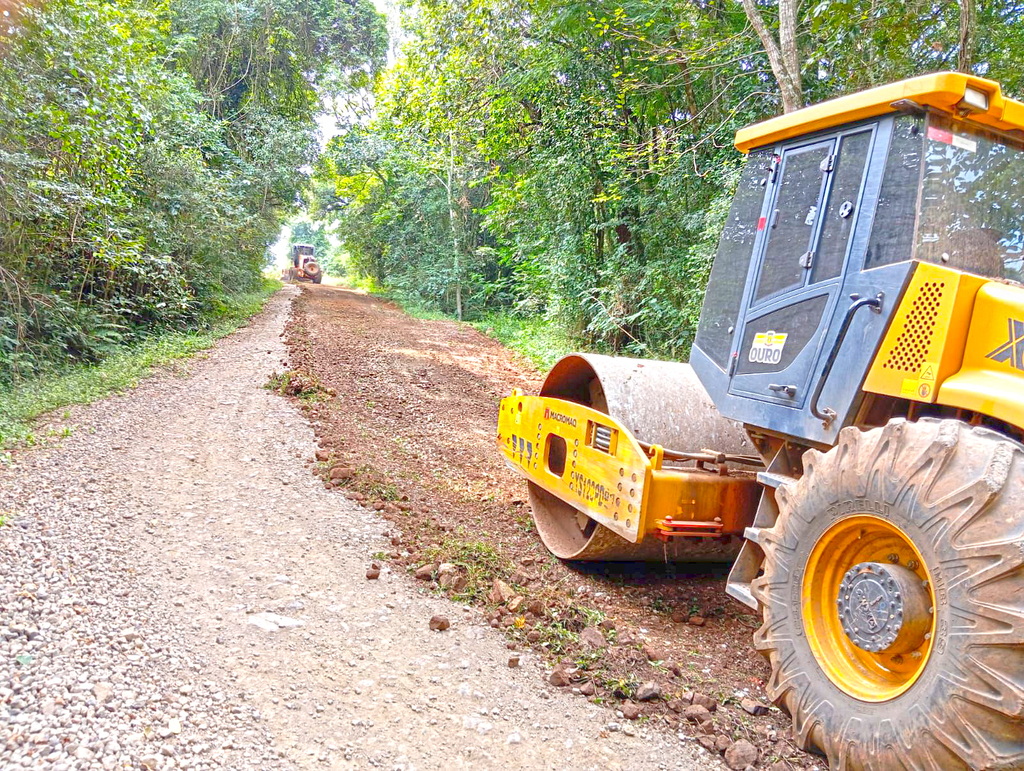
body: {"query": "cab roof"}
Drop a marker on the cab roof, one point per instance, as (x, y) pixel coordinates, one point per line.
(942, 90)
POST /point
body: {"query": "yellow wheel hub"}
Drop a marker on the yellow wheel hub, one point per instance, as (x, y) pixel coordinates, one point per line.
(868, 608)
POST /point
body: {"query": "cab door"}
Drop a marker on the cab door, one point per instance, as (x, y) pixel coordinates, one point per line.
(811, 210)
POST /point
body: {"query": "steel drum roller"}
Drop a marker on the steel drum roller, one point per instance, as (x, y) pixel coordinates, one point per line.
(660, 402)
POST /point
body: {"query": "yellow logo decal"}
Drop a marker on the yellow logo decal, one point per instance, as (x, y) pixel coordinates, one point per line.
(767, 347)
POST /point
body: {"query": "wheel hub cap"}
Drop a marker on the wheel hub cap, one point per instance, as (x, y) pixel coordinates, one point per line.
(883, 608)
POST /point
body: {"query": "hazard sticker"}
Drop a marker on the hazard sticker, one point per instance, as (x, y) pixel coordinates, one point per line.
(949, 138)
(767, 347)
(922, 387)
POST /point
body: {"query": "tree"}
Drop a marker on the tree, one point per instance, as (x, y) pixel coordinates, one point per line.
(149, 155)
(783, 52)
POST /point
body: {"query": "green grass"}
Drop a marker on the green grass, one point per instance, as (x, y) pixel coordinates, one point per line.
(21, 404)
(481, 561)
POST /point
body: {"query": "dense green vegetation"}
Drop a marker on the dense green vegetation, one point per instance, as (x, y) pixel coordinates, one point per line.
(149, 152)
(521, 163)
(573, 162)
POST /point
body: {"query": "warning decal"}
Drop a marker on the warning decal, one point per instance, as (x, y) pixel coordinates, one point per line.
(922, 387)
(949, 138)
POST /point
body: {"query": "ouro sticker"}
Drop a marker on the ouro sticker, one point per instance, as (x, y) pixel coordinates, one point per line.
(767, 347)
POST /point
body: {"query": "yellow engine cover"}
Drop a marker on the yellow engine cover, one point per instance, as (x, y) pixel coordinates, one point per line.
(958, 340)
(925, 341)
(991, 379)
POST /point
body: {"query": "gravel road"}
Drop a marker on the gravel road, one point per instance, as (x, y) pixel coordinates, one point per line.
(177, 591)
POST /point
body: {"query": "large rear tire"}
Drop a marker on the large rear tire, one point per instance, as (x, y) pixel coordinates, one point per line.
(933, 501)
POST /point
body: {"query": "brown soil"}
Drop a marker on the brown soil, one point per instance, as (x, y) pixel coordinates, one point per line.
(407, 409)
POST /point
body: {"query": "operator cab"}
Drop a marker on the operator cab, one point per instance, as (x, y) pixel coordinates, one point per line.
(835, 206)
(301, 253)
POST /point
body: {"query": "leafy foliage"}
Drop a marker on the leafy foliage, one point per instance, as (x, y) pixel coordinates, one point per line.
(149, 153)
(573, 161)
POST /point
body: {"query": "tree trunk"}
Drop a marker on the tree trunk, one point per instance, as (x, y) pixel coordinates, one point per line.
(968, 26)
(783, 54)
(456, 267)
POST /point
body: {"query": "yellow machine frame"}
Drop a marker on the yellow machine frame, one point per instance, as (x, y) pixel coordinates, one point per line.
(956, 340)
(592, 461)
(946, 91)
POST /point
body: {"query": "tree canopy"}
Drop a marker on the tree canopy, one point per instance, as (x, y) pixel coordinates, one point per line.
(575, 159)
(149, 152)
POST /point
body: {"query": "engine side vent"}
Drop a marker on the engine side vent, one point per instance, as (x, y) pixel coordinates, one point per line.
(914, 344)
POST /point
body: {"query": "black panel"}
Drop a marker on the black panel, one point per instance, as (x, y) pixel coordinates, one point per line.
(798, 322)
(842, 202)
(791, 224)
(729, 273)
(892, 234)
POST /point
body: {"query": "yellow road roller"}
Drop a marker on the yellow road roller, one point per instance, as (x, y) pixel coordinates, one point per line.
(848, 429)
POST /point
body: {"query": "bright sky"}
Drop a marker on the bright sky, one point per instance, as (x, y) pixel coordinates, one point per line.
(328, 128)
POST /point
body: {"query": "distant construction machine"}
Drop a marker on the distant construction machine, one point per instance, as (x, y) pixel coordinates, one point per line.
(848, 429)
(304, 266)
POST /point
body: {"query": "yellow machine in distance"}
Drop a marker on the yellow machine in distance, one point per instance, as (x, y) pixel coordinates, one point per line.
(847, 432)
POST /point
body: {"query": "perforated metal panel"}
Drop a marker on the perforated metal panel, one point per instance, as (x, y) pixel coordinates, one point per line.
(925, 341)
(914, 343)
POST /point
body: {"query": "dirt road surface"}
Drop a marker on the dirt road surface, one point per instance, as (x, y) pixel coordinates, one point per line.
(177, 591)
(408, 421)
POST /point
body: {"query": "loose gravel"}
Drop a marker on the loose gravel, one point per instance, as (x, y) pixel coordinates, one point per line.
(178, 591)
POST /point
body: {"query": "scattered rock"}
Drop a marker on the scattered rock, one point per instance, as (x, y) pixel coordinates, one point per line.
(705, 701)
(649, 691)
(680, 616)
(630, 710)
(696, 620)
(695, 713)
(533, 636)
(653, 654)
(513, 661)
(592, 638)
(342, 472)
(322, 455)
(424, 572)
(740, 755)
(753, 707)
(515, 603)
(500, 592)
(102, 692)
(372, 573)
(271, 622)
(708, 743)
(449, 577)
(522, 578)
(722, 742)
(439, 623)
(560, 676)
(678, 705)
(536, 607)
(588, 688)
